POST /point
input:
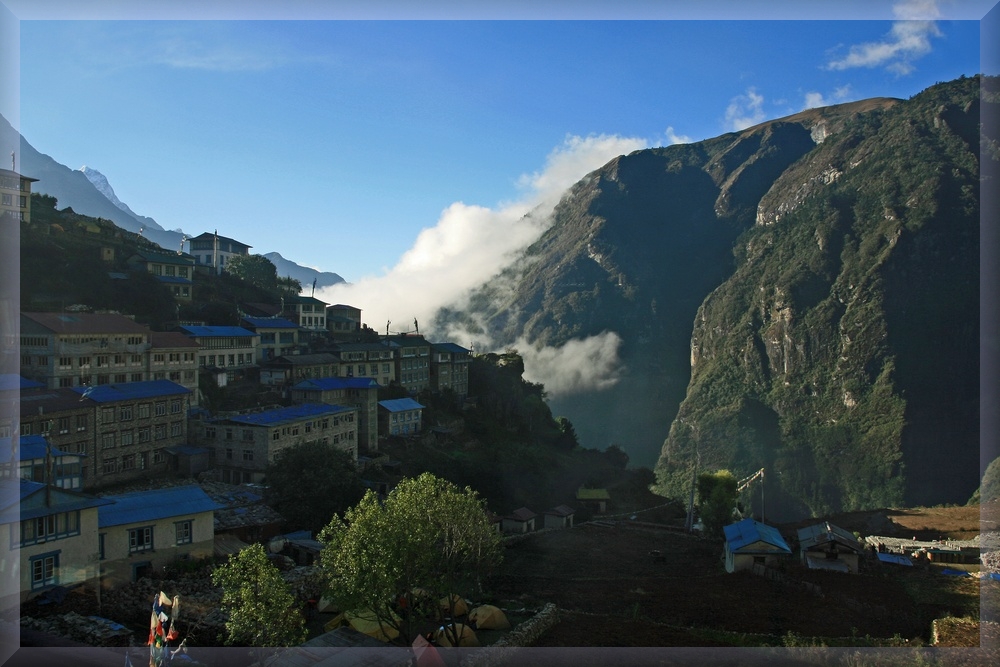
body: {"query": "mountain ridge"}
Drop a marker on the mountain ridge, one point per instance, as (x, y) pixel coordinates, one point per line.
(722, 266)
(73, 188)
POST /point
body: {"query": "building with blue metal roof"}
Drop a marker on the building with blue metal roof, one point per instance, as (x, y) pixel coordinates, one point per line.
(400, 416)
(36, 453)
(141, 532)
(278, 336)
(244, 444)
(130, 391)
(53, 533)
(233, 349)
(750, 542)
(361, 392)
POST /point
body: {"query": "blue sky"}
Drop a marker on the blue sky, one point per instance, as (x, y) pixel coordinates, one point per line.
(402, 154)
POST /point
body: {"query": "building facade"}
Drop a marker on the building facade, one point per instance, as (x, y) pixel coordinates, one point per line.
(366, 360)
(138, 533)
(82, 349)
(450, 368)
(243, 445)
(361, 393)
(411, 357)
(232, 349)
(174, 356)
(15, 196)
(134, 423)
(216, 251)
(307, 311)
(278, 336)
(400, 417)
(288, 370)
(174, 270)
(343, 321)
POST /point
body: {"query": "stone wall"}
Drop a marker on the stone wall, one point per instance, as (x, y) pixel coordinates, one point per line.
(525, 634)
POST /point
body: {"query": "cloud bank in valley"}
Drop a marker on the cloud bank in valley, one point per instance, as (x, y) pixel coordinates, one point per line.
(579, 365)
(470, 244)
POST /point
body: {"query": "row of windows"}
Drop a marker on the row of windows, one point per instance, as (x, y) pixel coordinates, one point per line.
(169, 270)
(48, 528)
(128, 462)
(239, 359)
(405, 417)
(61, 425)
(141, 435)
(140, 411)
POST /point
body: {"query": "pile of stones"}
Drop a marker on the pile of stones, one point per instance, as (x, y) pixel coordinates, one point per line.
(91, 630)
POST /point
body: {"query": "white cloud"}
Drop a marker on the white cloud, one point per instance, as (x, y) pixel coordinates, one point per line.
(580, 365)
(469, 244)
(674, 138)
(908, 40)
(745, 111)
(815, 99)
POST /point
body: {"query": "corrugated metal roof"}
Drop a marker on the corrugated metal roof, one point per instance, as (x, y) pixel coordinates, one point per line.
(400, 404)
(30, 504)
(33, 447)
(561, 510)
(746, 532)
(174, 280)
(824, 533)
(450, 347)
(326, 384)
(217, 332)
(154, 505)
(13, 381)
(86, 323)
(165, 339)
(292, 413)
(521, 514)
(126, 391)
(305, 359)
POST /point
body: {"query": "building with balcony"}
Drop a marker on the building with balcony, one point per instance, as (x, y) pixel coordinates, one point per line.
(309, 312)
(41, 462)
(366, 360)
(232, 349)
(82, 349)
(343, 321)
(288, 370)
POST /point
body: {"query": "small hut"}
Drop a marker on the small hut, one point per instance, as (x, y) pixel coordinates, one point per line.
(750, 542)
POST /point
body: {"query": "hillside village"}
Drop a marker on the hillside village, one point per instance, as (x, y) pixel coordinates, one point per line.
(137, 448)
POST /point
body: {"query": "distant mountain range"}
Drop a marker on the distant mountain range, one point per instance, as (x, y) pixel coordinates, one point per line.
(801, 296)
(88, 192)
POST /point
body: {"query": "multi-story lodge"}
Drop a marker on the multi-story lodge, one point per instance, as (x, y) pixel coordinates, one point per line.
(450, 368)
(411, 355)
(287, 370)
(362, 393)
(366, 360)
(308, 311)
(63, 420)
(278, 336)
(174, 356)
(400, 416)
(15, 196)
(242, 445)
(233, 349)
(175, 270)
(82, 349)
(343, 321)
(216, 251)
(134, 423)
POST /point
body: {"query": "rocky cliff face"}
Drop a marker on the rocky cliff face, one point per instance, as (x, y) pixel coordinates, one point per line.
(800, 296)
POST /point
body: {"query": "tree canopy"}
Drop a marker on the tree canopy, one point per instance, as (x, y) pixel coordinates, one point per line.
(716, 500)
(311, 482)
(254, 269)
(261, 609)
(429, 539)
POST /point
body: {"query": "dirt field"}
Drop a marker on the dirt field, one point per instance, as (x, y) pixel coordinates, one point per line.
(611, 592)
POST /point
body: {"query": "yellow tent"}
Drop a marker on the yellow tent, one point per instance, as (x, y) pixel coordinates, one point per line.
(460, 606)
(365, 622)
(488, 617)
(466, 635)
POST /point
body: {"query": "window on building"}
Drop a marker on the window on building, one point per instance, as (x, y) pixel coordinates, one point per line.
(44, 570)
(159, 431)
(248, 455)
(107, 440)
(175, 407)
(140, 539)
(100, 545)
(157, 456)
(128, 462)
(127, 438)
(143, 434)
(109, 466)
(210, 432)
(182, 530)
(229, 453)
(125, 413)
(176, 429)
(107, 415)
(143, 410)
(160, 408)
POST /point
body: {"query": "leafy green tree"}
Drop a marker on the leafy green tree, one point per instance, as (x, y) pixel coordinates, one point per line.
(290, 285)
(429, 539)
(261, 610)
(716, 500)
(311, 482)
(254, 269)
(989, 487)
